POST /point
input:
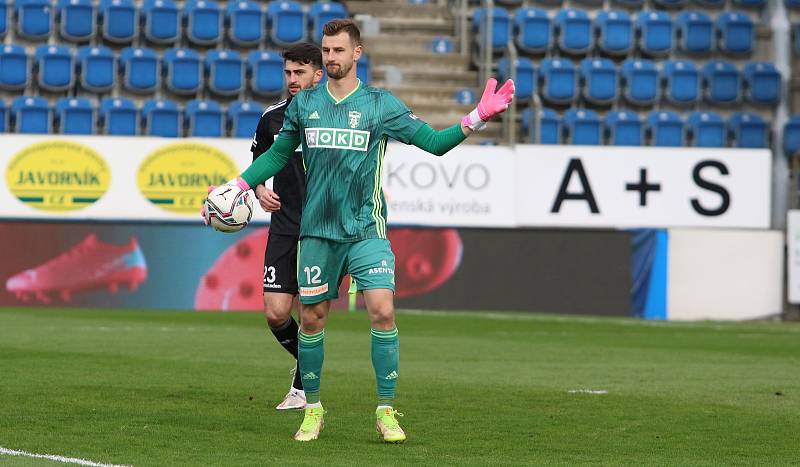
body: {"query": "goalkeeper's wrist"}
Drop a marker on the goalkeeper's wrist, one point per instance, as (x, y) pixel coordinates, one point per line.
(473, 120)
(242, 183)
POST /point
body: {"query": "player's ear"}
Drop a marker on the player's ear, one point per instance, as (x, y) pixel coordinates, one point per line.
(317, 77)
(357, 52)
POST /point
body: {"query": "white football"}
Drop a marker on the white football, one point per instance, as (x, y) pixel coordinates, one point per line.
(228, 208)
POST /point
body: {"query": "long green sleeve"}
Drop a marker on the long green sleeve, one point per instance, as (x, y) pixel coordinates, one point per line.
(271, 162)
(438, 142)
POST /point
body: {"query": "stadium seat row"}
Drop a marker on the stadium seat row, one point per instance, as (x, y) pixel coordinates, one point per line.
(657, 3)
(243, 22)
(119, 116)
(615, 32)
(660, 128)
(141, 70)
(641, 82)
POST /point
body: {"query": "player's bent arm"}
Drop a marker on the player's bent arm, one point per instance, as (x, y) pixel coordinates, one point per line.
(438, 142)
(271, 162)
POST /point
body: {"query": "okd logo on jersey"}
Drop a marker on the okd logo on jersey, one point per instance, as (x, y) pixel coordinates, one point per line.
(58, 176)
(176, 177)
(337, 138)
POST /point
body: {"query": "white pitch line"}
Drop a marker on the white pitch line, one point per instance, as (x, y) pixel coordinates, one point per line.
(66, 460)
(587, 391)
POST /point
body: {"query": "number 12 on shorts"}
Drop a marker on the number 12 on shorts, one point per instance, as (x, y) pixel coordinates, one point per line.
(312, 274)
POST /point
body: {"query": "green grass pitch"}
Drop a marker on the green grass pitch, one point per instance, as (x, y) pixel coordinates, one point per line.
(177, 388)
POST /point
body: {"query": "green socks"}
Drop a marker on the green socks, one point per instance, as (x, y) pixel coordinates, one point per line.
(311, 353)
(385, 360)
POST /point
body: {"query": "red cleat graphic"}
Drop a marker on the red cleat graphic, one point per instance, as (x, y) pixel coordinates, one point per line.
(235, 281)
(91, 264)
(424, 259)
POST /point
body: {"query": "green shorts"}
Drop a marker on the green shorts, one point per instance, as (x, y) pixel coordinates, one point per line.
(323, 263)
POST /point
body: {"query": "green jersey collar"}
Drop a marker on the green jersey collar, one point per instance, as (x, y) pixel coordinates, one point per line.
(339, 101)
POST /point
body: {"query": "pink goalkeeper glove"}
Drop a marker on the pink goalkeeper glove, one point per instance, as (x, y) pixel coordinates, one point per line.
(491, 104)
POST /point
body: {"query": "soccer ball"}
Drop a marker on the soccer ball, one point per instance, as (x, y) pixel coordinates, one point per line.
(228, 208)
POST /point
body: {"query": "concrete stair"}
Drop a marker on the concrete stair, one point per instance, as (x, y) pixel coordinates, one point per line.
(427, 81)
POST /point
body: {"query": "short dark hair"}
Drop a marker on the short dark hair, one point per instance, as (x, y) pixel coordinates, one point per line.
(335, 26)
(305, 53)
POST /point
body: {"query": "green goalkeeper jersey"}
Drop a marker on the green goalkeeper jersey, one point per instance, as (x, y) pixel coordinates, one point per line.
(344, 143)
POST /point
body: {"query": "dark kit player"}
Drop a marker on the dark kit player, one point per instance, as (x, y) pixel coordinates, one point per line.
(302, 69)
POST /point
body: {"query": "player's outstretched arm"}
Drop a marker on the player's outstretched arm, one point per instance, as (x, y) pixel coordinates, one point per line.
(491, 104)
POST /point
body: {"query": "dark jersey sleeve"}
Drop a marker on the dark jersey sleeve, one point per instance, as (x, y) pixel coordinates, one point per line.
(263, 139)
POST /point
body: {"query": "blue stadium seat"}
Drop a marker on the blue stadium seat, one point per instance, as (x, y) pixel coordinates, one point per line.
(183, 71)
(654, 29)
(665, 128)
(245, 23)
(265, 71)
(31, 115)
(721, 82)
(96, 68)
(711, 3)
(287, 22)
(3, 117)
(549, 127)
(670, 3)
(203, 20)
(525, 81)
(706, 129)
(791, 136)
(77, 20)
(320, 13)
(695, 32)
(614, 32)
(55, 67)
(735, 32)
(762, 83)
(75, 116)
(464, 96)
(4, 9)
(119, 117)
(161, 118)
(582, 126)
(501, 27)
(14, 67)
(442, 45)
(139, 69)
(558, 80)
(681, 82)
(204, 118)
(599, 79)
(748, 130)
(750, 3)
(573, 28)
(224, 72)
(633, 4)
(161, 21)
(34, 19)
(624, 128)
(532, 30)
(639, 80)
(120, 20)
(792, 4)
(243, 118)
(363, 70)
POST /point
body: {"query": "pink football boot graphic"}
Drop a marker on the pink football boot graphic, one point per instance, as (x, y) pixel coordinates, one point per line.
(235, 281)
(424, 259)
(91, 264)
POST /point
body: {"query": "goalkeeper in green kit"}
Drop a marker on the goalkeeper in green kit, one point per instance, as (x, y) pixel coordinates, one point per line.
(343, 127)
